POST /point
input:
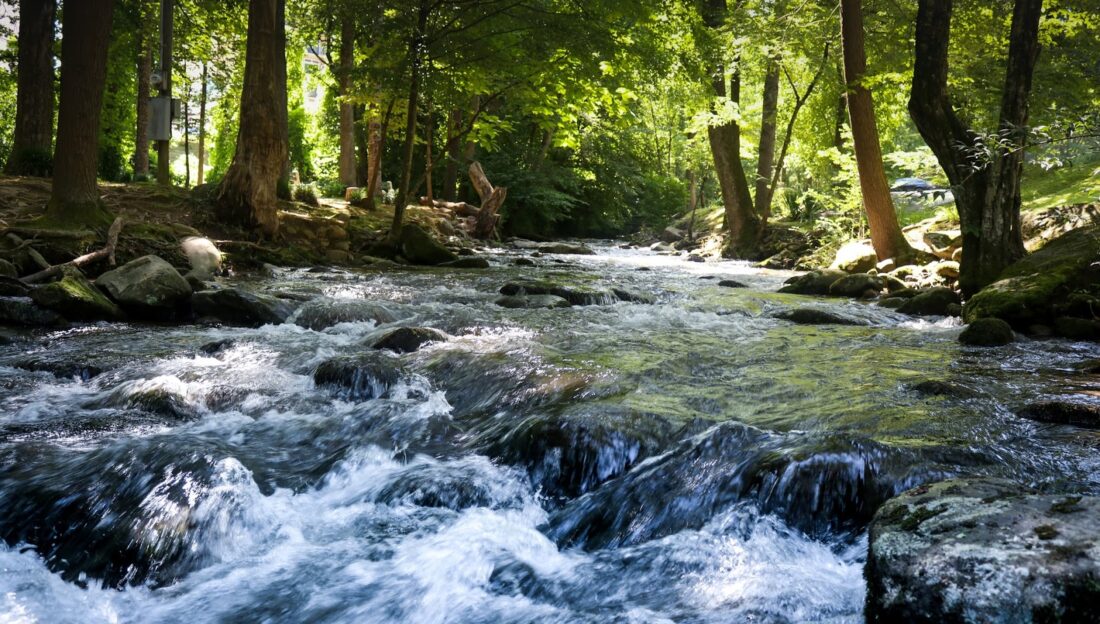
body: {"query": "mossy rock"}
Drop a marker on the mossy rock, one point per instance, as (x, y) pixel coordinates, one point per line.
(813, 283)
(418, 247)
(932, 302)
(990, 332)
(77, 299)
(1029, 290)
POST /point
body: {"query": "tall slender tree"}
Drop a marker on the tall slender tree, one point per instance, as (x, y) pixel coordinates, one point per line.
(86, 33)
(33, 136)
(886, 235)
(248, 194)
(348, 175)
(984, 174)
(416, 60)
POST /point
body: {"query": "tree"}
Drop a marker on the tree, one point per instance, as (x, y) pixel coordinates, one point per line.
(886, 235)
(248, 194)
(347, 112)
(984, 172)
(416, 60)
(33, 136)
(744, 226)
(86, 32)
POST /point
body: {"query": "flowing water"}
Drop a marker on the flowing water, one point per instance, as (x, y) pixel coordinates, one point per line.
(687, 460)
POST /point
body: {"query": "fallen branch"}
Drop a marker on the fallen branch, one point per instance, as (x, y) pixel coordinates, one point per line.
(107, 252)
(461, 209)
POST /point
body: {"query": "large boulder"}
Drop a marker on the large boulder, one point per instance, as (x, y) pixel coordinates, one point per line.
(931, 302)
(147, 286)
(976, 550)
(855, 257)
(671, 235)
(418, 247)
(233, 306)
(1030, 290)
(77, 299)
(409, 339)
(203, 255)
(812, 283)
(857, 285)
(23, 311)
(987, 333)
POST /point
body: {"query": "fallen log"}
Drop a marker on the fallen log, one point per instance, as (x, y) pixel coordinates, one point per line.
(461, 209)
(108, 252)
(491, 201)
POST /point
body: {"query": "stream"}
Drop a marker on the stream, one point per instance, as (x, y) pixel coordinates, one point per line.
(692, 460)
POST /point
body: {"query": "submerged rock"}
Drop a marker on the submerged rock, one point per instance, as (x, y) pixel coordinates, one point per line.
(23, 311)
(812, 283)
(517, 302)
(75, 298)
(319, 315)
(523, 262)
(574, 295)
(731, 284)
(409, 339)
(233, 306)
(361, 377)
(468, 262)
(147, 286)
(61, 368)
(816, 316)
(1063, 412)
(931, 302)
(1077, 328)
(934, 387)
(988, 332)
(977, 550)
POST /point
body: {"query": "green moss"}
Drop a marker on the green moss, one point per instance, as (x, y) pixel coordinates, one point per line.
(1046, 532)
(1067, 505)
(913, 521)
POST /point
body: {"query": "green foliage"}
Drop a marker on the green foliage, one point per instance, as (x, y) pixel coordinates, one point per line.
(306, 194)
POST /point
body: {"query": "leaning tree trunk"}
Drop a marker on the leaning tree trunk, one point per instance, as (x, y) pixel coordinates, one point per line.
(765, 163)
(86, 32)
(416, 46)
(491, 201)
(347, 112)
(745, 228)
(886, 235)
(141, 134)
(33, 135)
(247, 195)
(987, 191)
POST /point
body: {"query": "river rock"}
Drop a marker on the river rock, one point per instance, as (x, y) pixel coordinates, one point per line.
(203, 255)
(319, 315)
(361, 377)
(23, 311)
(567, 249)
(933, 387)
(469, 262)
(523, 262)
(12, 287)
(8, 269)
(812, 283)
(578, 296)
(731, 284)
(1064, 412)
(1030, 290)
(931, 302)
(987, 333)
(892, 303)
(233, 306)
(855, 257)
(517, 302)
(977, 550)
(60, 367)
(671, 235)
(631, 296)
(77, 299)
(816, 316)
(857, 285)
(1077, 328)
(163, 403)
(418, 247)
(147, 286)
(409, 339)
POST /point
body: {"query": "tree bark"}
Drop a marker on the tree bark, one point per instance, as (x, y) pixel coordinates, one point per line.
(429, 138)
(283, 94)
(247, 195)
(987, 190)
(33, 134)
(141, 135)
(86, 32)
(692, 203)
(765, 163)
(745, 228)
(164, 147)
(491, 201)
(416, 45)
(454, 153)
(348, 175)
(202, 127)
(187, 136)
(886, 235)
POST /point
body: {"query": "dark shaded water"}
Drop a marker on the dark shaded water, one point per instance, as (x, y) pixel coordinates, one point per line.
(689, 461)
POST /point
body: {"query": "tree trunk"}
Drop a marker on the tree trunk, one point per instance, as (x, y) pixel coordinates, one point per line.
(692, 203)
(187, 136)
(247, 195)
(348, 175)
(765, 163)
(416, 45)
(454, 153)
(282, 92)
(33, 135)
(491, 201)
(202, 127)
(886, 235)
(987, 191)
(429, 138)
(86, 32)
(164, 147)
(141, 135)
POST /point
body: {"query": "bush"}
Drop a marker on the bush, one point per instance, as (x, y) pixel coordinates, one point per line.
(330, 187)
(306, 194)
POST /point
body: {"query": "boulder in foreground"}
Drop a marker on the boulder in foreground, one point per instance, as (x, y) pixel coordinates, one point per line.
(148, 286)
(980, 550)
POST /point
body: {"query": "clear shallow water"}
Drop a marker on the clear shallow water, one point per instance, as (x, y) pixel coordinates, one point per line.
(689, 461)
